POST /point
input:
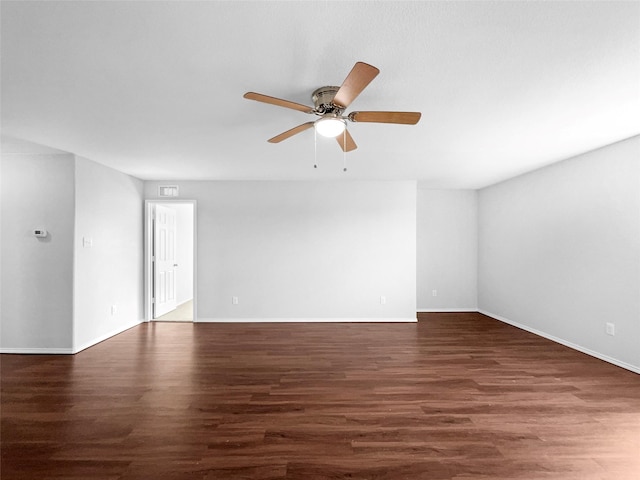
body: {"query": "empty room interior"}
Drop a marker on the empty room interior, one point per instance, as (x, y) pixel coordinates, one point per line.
(320, 240)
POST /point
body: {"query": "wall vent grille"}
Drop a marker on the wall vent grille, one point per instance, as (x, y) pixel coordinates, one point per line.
(168, 190)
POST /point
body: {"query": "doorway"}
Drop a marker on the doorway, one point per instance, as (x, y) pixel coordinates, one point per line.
(170, 260)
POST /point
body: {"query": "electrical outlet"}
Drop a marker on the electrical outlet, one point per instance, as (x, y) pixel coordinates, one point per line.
(234, 300)
(114, 309)
(610, 328)
(434, 293)
(383, 300)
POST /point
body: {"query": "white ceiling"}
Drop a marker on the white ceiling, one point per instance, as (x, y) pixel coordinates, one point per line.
(155, 89)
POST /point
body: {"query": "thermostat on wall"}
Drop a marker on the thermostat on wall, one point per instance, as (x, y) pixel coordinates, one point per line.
(40, 232)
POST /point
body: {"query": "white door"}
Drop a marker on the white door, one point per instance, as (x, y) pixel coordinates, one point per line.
(164, 265)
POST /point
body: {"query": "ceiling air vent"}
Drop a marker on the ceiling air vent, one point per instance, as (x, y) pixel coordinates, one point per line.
(168, 190)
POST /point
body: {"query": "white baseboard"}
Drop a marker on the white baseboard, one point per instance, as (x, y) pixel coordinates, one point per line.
(308, 320)
(106, 336)
(37, 351)
(446, 310)
(579, 348)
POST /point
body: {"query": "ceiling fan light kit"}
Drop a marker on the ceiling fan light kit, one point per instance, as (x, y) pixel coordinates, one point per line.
(330, 102)
(330, 126)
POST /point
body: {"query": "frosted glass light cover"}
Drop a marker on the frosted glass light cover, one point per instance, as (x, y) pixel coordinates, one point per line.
(330, 127)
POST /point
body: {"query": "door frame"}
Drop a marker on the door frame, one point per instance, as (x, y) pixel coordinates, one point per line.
(149, 206)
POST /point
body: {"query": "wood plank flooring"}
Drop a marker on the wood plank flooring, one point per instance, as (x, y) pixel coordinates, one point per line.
(455, 396)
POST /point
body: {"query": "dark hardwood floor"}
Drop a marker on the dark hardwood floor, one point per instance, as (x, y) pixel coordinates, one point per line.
(455, 396)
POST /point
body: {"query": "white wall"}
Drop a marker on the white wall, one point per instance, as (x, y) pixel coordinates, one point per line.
(109, 210)
(184, 251)
(559, 252)
(304, 250)
(447, 247)
(37, 274)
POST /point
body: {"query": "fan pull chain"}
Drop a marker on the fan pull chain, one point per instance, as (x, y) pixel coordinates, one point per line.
(344, 150)
(315, 148)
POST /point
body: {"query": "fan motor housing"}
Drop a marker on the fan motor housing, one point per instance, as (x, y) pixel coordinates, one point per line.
(323, 100)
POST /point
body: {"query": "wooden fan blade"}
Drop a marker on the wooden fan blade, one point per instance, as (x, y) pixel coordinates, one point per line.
(258, 97)
(359, 77)
(345, 140)
(291, 133)
(406, 118)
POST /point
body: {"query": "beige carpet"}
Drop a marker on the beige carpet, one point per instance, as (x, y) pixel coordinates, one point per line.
(183, 313)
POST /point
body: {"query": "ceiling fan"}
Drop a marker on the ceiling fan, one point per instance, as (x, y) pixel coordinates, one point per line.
(330, 103)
